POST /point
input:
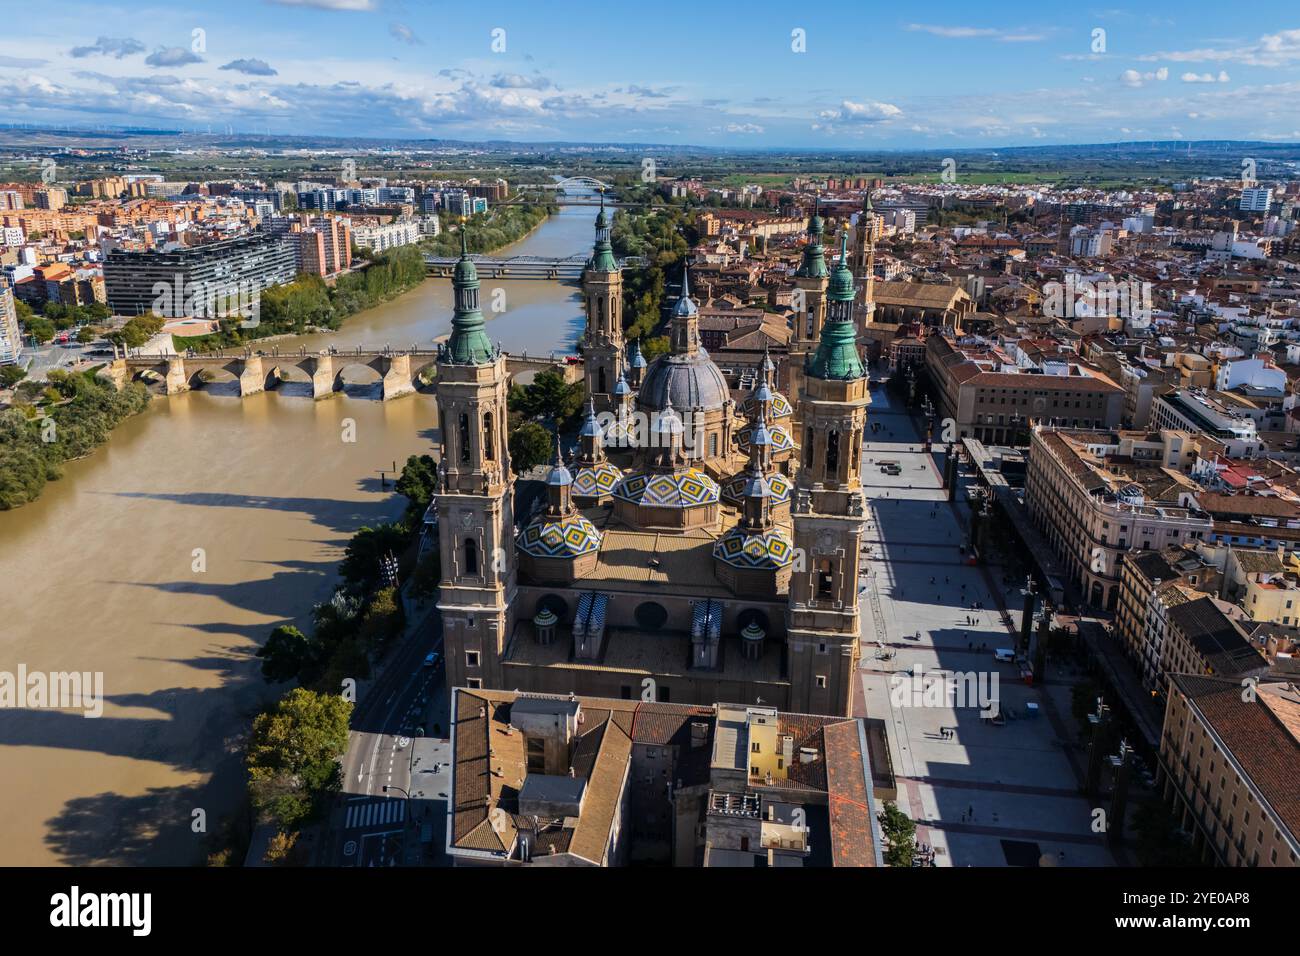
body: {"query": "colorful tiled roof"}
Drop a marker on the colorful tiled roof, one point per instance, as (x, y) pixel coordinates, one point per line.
(568, 537)
(741, 548)
(781, 407)
(591, 481)
(779, 488)
(779, 434)
(679, 490)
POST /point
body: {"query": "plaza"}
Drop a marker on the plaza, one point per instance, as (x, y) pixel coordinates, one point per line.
(982, 793)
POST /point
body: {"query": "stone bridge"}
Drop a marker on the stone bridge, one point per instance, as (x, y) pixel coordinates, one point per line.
(257, 371)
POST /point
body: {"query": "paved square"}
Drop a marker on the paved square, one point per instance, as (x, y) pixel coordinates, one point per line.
(982, 794)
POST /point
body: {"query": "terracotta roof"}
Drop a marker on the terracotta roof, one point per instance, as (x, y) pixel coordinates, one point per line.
(1261, 735)
(853, 832)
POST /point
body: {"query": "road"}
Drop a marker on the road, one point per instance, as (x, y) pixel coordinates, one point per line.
(982, 794)
(395, 743)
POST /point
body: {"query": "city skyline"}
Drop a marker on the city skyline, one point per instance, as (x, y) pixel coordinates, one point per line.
(774, 79)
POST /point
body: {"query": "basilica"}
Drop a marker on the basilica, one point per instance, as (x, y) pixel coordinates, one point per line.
(700, 543)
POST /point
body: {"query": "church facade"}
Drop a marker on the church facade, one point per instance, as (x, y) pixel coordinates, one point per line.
(696, 545)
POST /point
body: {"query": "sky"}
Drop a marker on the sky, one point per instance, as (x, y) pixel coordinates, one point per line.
(758, 74)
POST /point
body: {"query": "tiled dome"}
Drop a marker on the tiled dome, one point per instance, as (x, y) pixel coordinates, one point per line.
(680, 490)
(591, 481)
(778, 435)
(764, 550)
(549, 537)
(779, 488)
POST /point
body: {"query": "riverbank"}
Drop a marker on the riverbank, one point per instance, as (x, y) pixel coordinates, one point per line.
(166, 558)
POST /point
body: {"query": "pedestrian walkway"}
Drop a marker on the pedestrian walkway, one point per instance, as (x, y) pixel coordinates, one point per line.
(371, 813)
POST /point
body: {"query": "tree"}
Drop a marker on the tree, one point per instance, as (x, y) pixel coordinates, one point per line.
(417, 483)
(530, 445)
(384, 619)
(652, 348)
(40, 328)
(548, 397)
(293, 754)
(11, 375)
(900, 834)
(284, 655)
(86, 335)
(361, 565)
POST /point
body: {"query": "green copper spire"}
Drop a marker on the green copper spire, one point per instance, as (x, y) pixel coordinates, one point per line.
(813, 265)
(841, 287)
(469, 344)
(837, 348)
(602, 256)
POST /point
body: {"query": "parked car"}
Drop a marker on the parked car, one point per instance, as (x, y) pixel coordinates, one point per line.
(432, 659)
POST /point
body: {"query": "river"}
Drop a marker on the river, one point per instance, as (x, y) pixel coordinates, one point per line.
(165, 558)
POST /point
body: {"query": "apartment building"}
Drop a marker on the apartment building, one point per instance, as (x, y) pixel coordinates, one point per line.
(382, 238)
(227, 268)
(1228, 767)
(1095, 501)
(1152, 582)
(1204, 638)
(560, 780)
(11, 341)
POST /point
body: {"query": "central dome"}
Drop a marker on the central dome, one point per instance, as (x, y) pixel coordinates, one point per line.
(690, 380)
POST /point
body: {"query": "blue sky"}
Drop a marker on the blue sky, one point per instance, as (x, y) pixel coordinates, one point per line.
(869, 75)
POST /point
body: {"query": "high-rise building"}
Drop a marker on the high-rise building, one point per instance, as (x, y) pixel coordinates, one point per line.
(11, 342)
(1256, 199)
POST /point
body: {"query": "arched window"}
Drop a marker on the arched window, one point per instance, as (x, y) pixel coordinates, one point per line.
(808, 448)
(471, 557)
(825, 577)
(832, 453)
(489, 439)
(464, 437)
(600, 386)
(713, 444)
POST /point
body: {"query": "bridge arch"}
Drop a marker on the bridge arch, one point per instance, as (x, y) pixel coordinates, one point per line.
(587, 181)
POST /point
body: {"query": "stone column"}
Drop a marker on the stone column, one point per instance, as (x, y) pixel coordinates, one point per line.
(177, 380)
(252, 377)
(397, 376)
(322, 377)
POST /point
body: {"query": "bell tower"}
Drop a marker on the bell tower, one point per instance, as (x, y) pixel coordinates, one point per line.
(809, 308)
(828, 512)
(864, 264)
(602, 345)
(475, 510)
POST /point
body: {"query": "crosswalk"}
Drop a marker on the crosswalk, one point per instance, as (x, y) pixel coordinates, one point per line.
(374, 813)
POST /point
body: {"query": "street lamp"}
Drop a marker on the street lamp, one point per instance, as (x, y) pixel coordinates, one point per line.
(388, 787)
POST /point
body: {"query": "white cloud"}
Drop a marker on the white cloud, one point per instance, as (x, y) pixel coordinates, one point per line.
(403, 34)
(871, 112)
(1135, 79)
(1222, 77)
(253, 67)
(172, 56)
(965, 33)
(737, 128)
(1272, 49)
(116, 47)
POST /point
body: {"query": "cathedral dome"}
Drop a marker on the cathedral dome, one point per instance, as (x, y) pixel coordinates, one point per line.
(685, 489)
(547, 536)
(779, 488)
(595, 481)
(780, 405)
(691, 381)
(744, 548)
(778, 436)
